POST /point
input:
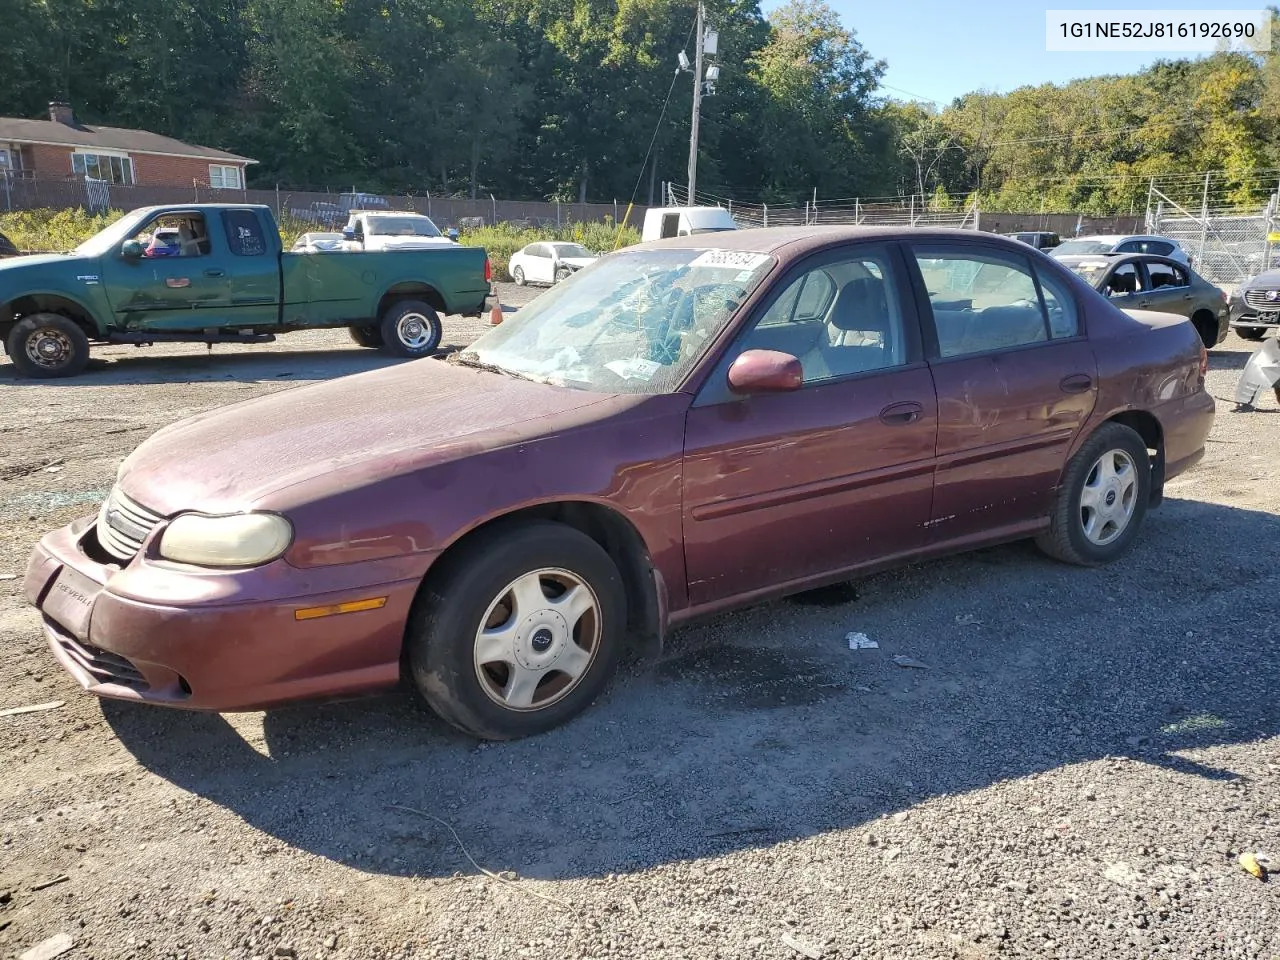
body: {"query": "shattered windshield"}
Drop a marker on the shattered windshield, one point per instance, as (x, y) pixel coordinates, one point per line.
(633, 322)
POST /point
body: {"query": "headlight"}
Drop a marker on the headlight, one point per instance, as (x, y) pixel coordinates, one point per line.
(239, 540)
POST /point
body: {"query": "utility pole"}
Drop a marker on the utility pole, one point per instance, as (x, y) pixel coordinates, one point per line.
(697, 106)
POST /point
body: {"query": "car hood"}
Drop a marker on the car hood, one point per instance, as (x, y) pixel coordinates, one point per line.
(300, 444)
(578, 262)
(30, 261)
(1268, 278)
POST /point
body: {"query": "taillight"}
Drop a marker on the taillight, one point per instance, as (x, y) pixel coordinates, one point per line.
(1204, 362)
(488, 270)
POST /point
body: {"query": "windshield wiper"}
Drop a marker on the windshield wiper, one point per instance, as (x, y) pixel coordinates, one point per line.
(469, 358)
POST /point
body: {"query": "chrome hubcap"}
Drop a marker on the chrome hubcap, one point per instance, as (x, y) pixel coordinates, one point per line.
(414, 331)
(537, 640)
(1109, 496)
(48, 347)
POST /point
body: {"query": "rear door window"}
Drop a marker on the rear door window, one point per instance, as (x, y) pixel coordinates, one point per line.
(985, 299)
(245, 236)
(1166, 275)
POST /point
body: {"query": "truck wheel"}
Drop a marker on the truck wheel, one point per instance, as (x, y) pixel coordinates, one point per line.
(366, 336)
(410, 328)
(47, 345)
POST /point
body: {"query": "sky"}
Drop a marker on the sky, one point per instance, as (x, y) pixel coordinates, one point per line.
(940, 49)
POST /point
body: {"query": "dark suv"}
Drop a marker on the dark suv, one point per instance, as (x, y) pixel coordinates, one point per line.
(1037, 238)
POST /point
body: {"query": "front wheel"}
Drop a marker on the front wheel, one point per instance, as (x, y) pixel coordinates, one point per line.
(520, 632)
(562, 274)
(48, 345)
(1251, 333)
(518, 276)
(410, 328)
(1102, 500)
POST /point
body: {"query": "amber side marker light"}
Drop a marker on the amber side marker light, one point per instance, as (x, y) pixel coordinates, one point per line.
(351, 606)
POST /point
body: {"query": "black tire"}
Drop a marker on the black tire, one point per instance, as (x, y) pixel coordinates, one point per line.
(447, 616)
(410, 328)
(1251, 333)
(365, 336)
(1065, 539)
(47, 345)
(518, 276)
(1206, 325)
(563, 274)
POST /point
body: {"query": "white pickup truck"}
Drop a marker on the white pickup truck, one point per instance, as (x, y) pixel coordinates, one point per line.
(391, 230)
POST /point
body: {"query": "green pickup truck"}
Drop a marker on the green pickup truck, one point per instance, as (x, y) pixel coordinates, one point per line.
(216, 273)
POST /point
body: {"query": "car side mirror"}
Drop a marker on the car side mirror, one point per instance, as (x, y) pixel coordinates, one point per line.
(765, 371)
(132, 250)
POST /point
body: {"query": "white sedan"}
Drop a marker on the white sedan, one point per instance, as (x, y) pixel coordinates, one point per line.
(548, 262)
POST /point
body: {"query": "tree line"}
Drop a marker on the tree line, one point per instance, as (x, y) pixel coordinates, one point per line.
(543, 99)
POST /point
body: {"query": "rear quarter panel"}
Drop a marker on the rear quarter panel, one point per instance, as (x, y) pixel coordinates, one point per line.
(1150, 362)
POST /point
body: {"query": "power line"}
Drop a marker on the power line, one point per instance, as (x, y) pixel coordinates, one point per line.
(658, 126)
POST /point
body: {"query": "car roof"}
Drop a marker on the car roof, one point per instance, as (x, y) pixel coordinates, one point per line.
(788, 242)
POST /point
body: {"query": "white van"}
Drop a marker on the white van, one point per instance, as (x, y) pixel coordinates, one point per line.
(663, 222)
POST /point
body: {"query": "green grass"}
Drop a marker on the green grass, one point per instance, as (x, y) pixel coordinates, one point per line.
(53, 231)
(57, 231)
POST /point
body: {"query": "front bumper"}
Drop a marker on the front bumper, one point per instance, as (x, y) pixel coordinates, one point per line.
(1243, 315)
(211, 656)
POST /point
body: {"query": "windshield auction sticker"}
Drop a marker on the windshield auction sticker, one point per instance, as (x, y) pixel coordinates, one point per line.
(730, 260)
(1158, 31)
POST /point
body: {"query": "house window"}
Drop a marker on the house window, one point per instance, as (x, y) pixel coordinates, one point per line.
(6, 161)
(224, 178)
(114, 168)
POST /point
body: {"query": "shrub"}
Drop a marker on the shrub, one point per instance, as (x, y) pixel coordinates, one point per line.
(53, 231)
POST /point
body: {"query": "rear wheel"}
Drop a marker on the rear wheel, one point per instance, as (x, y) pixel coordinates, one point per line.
(366, 336)
(518, 276)
(47, 345)
(520, 633)
(410, 328)
(1206, 325)
(1251, 333)
(1102, 500)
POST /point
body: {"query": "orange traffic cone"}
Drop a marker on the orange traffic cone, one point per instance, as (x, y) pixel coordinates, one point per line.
(495, 315)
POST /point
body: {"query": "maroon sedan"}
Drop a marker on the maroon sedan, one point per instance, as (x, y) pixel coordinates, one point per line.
(681, 428)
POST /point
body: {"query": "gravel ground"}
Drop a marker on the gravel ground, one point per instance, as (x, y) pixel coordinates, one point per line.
(1074, 773)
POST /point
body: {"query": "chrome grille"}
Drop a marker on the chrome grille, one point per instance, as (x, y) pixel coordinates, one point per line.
(123, 525)
(1263, 299)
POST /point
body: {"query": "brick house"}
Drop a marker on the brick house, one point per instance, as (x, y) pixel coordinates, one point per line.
(62, 149)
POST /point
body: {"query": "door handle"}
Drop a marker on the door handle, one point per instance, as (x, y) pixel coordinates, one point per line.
(1186, 296)
(215, 273)
(1144, 303)
(1076, 383)
(898, 414)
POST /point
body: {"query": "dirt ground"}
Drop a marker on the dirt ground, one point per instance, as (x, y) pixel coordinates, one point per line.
(1073, 774)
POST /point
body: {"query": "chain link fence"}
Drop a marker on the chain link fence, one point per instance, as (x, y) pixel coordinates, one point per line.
(1227, 225)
